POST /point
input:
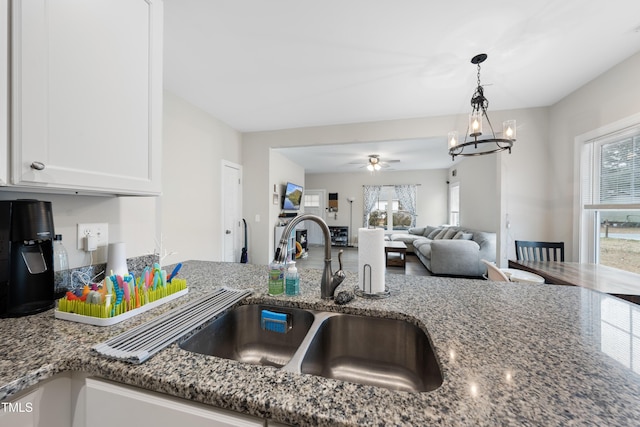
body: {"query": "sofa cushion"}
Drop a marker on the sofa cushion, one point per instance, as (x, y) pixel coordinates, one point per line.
(420, 242)
(417, 231)
(405, 238)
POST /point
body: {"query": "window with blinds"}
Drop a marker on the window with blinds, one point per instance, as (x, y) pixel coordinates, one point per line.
(620, 171)
(614, 164)
(610, 193)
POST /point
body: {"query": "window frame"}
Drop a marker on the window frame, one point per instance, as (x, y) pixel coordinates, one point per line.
(587, 203)
(389, 197)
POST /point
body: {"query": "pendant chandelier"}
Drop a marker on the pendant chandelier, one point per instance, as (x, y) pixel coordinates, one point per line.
(490, 144)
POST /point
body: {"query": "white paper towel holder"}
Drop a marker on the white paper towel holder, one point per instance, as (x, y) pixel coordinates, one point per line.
(373, 295)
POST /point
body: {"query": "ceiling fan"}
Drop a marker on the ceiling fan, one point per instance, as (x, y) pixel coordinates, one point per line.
(375, 163)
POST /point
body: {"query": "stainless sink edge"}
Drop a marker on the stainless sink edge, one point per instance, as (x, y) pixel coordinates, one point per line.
(295, 363)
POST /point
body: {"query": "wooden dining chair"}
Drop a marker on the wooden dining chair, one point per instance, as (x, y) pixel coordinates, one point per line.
(494, 273)
(539, 251)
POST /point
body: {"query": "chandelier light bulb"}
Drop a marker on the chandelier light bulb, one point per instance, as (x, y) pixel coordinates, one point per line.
(370, 167)
(475, 124)
(509, 129)
(453, 138)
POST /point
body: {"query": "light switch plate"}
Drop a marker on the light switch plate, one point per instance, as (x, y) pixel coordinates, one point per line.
(99, 230)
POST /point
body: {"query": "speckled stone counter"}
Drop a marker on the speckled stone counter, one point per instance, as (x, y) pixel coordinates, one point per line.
(510, 354)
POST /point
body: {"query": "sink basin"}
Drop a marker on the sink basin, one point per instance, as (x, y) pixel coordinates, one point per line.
(375, 351)
(381, 352)
(238, 335)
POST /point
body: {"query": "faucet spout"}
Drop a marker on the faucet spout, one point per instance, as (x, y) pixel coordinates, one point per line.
(329, 281)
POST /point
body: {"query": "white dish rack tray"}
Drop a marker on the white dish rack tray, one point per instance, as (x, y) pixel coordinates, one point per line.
(108, 321)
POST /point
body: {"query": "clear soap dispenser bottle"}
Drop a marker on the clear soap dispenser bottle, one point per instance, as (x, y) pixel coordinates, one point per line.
(292, 280)
(62, 274)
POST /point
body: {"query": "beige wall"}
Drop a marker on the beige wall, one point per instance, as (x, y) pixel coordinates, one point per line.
(523, 185)
(194, 146)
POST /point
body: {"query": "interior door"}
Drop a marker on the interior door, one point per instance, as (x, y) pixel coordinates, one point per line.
(232, 229)
(314, 203)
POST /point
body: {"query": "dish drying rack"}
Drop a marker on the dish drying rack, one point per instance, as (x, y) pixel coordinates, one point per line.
(140, 343)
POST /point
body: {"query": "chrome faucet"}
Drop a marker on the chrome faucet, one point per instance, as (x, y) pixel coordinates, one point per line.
(329, 281)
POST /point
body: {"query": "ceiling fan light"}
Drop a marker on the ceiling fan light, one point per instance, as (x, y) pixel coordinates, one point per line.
(370, 167)
(376, 167)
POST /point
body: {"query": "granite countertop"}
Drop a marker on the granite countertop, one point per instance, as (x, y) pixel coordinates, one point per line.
(510, 354)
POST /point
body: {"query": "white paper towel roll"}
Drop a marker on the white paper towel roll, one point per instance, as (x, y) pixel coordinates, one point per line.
(117, 259)
(371, 252)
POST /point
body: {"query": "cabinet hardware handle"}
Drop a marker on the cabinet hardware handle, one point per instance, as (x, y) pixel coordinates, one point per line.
(228, 232)
(37, 166)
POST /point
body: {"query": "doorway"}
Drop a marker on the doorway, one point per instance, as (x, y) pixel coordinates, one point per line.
(231, 211)
(314, 203)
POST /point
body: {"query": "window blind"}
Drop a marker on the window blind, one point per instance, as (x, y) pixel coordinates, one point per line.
(620, 171)
(615, 164)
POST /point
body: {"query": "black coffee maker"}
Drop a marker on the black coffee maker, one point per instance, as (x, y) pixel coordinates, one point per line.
(26, 257)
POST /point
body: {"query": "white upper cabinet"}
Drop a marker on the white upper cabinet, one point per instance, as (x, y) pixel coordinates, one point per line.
(87, 95)
(4, 91)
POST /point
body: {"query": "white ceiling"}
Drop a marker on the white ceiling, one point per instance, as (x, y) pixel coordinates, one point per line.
(265, 65)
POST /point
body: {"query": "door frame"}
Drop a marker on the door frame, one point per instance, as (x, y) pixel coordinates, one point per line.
(223, 190)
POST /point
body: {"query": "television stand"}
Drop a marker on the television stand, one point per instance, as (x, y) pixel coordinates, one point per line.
(288, 215)
(339, 235)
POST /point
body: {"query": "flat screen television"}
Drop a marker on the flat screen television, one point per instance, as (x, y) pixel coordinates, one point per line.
(292, 197)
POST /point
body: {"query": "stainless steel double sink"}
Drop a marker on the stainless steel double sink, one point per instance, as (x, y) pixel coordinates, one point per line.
(382, 352)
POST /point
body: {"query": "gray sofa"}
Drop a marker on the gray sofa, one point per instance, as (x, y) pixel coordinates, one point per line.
(450, 251)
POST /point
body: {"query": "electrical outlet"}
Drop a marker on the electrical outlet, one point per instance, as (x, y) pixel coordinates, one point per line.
(99, 230)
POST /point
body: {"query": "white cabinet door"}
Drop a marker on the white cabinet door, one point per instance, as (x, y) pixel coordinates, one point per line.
(4, 92)
(46, 405)
(131, 407)
(87, 95)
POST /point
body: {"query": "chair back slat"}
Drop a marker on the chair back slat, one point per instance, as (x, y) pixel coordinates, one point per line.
(539, 251)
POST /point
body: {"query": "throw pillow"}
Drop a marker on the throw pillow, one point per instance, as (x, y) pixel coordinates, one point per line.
(461, 235)
(428, 230)
(434, 233)
(441, 234)
(450, 233)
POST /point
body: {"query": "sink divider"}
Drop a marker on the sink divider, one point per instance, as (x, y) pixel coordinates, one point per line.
(294, 365)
